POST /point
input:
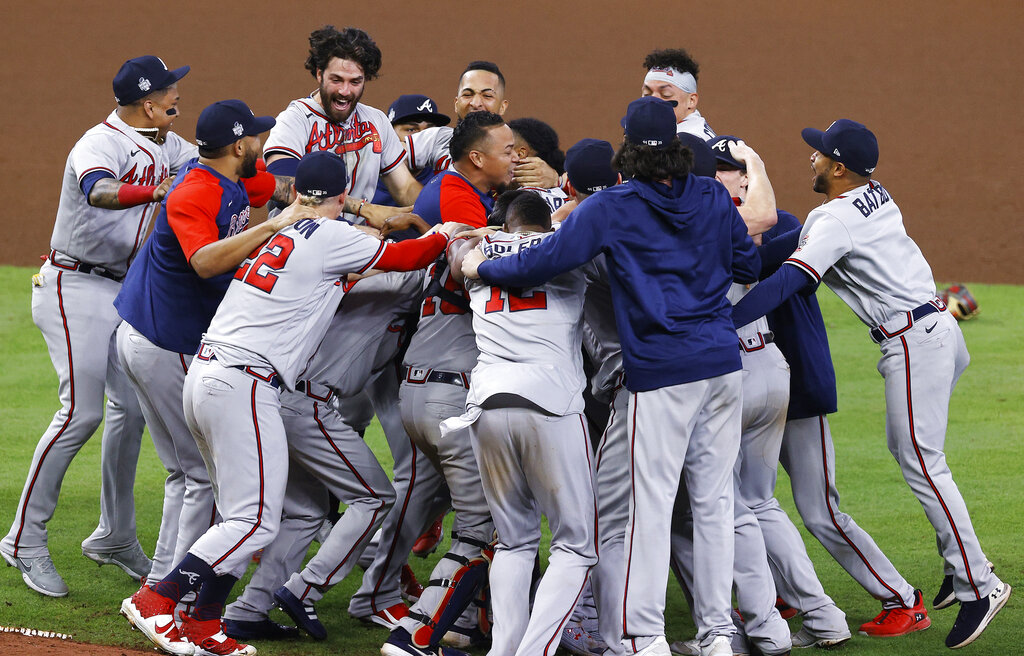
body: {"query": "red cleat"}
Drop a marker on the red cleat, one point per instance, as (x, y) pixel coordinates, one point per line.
(210, 640)
(153, 614)
(427, 543)
(388, 617)
(893, 622)
(410, 587)
(784, 609)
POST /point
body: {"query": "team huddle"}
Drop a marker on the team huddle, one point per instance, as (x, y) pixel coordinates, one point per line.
(624, 340)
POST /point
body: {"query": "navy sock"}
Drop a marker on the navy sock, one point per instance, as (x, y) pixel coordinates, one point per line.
(184, 577)
(212, 597)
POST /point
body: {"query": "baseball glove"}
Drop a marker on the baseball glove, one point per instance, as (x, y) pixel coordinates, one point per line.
(961, 302)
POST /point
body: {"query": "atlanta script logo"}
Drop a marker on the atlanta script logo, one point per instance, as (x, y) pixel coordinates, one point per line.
(343, 140)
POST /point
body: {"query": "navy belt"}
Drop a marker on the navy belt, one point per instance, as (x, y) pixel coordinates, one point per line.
(82, 267)
(310, 389)
(418, 375)
(879, 334)
(271, 380)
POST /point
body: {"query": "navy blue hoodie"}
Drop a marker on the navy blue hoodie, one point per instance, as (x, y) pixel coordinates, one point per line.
(672, 253)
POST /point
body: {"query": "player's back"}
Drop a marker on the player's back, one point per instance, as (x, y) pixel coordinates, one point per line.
(529, 339)
(883, 271)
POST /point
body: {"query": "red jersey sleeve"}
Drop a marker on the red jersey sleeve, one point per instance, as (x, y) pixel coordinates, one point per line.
(192, 214)
(461, 203)
(260, 188)
(411, 254)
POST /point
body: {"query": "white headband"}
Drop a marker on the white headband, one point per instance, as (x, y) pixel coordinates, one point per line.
(673, 76)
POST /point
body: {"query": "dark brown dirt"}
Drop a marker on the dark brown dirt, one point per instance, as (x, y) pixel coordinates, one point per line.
(15, 643)
(937, 82)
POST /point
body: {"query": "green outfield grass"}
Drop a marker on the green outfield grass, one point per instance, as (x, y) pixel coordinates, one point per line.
(984, 445)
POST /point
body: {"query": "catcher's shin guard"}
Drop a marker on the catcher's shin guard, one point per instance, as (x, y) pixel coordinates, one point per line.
(460, 591)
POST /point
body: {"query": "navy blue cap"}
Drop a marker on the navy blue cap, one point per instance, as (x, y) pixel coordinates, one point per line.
(703, 158)
(589, 165)
(321, 173)
(720, 147)
(413, 108)
(848, 142)
(227, 121)
(650, 121)
(141, 76)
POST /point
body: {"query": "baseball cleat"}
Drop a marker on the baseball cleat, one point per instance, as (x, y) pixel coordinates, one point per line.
(265, 629)
(427, 543)
(689, 647)
(659, 647)
(946, 597)
(463, 638)
(152, 614)
(210, 640)
(410, 587)
(894, 622)
(805, 638)
(133, 561)
(387, 617)
(399, 643)
(582, 638)
(785, 609)
(974, 616)
(39, 573)
(302, 612)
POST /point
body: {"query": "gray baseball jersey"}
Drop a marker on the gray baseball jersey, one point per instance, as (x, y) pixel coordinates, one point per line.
(444, 336)
(554, 196)
(277, 309)
(696, 125)
(365, 140)
(110, 238)
(429, 149)
(857, 245)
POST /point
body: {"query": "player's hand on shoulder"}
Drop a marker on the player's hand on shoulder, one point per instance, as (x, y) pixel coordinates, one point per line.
(377, 215)
(161, 189)
(535, 172)
(452, 228)
(291, 214)
(471, 263)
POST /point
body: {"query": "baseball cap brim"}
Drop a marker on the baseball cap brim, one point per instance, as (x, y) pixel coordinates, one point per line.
(436, 120)
(260, 124)
(814, 138)
(175, 75)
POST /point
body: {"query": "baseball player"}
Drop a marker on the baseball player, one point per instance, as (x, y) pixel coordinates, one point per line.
(807, 452)
(524, 412)
(481, 88)
(701, 402)
(856, 243)
(273, 316)
(113, 175)
(332, 118)
(363, 338)
(672, 76)
(409, 114)
(482, 149)
(535, 138)
(171, 293)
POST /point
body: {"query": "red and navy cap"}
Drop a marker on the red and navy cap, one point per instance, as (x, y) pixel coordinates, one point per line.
(414, 107)
(141, 76)
(227, 121)
(650, 121)
(321, 173)
(848, 142)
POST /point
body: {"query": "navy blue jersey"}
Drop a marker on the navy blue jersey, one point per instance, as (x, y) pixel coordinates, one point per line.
(451, 197)
(672, 253)
(800, 335)
(162, 296)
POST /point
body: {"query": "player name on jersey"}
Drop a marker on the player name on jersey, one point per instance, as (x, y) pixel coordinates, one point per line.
(871, 199)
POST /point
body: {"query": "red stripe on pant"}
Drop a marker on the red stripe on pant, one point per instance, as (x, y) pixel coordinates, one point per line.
(67, 422)
(259, 451)
(398, 530)
(920, 459)
(832, 515)
(632, 525)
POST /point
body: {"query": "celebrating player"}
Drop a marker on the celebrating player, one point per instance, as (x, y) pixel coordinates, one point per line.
(856, 244)
(672, 76)
(113, 175)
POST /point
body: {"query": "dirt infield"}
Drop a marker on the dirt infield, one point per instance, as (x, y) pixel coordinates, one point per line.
(937, 82)
(16, 643)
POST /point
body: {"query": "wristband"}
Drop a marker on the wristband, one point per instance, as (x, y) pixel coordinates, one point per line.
(131, 195)
(359, 210)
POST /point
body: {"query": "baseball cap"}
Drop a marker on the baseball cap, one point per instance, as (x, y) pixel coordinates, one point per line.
(720, 147)
(227, 121)
(650, 121)
(141, 76)
(588, 163)
(321, 173)
(848, 142)
(414, 107)
(703, 158)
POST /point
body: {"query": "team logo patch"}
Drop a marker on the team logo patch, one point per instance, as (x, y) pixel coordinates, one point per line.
(835, 151)
(144, 84)
(237, 129)
(666, 71)
(427, 106)
(720, 146)
(803, 242)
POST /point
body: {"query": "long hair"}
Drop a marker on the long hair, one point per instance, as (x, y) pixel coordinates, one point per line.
(647, 163)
